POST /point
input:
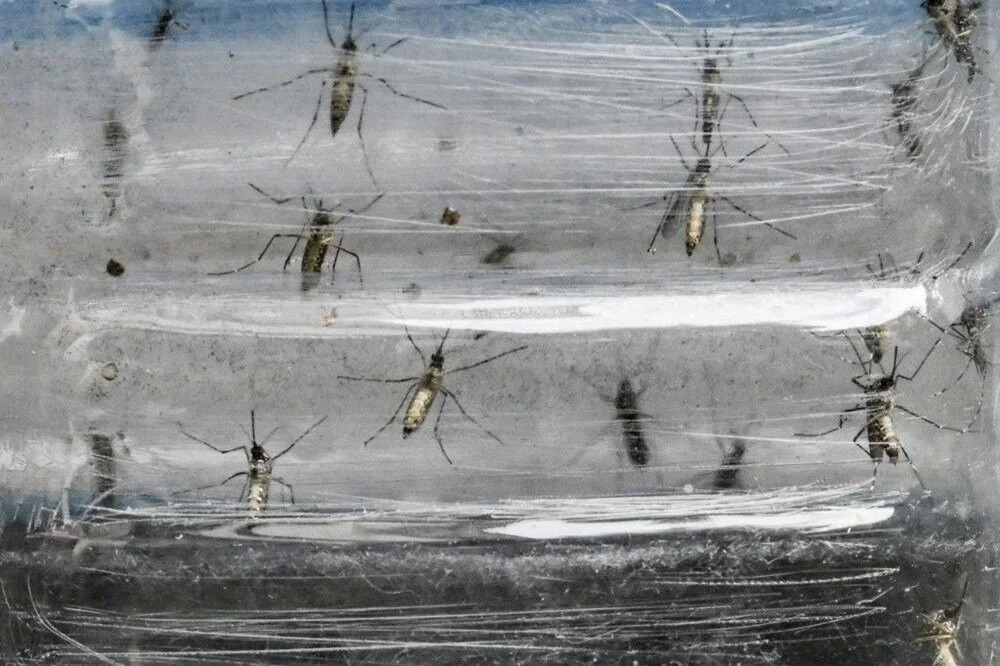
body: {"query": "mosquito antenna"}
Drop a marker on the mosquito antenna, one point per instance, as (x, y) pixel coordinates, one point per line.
(326, 23)
(441, 346)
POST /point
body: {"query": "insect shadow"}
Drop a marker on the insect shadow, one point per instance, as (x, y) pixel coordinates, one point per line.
(425, 389)
(880, 400)
(344, 78)
(319, 237)
(711, 106)
(690, 204)
(630, 418)
(261, 466)
(163, 23)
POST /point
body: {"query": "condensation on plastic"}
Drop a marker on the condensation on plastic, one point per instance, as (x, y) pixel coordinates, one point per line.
(565, 128)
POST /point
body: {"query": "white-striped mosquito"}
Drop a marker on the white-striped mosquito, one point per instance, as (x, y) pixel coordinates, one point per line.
(425, 389)
(261, 465)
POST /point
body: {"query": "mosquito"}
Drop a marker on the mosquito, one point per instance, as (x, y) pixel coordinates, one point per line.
(319, 238)
(955, 23)
(690, 204)
(261, 466)
(344, 78)
(970, 332)
(880, 400)
(941, 629)
(425, 389)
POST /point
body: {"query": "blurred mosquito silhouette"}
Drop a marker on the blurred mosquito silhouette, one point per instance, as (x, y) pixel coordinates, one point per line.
(344, 78)
(425, 389)
(261, 465)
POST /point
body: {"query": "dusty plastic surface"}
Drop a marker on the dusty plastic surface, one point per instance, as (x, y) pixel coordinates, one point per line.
(705, 522)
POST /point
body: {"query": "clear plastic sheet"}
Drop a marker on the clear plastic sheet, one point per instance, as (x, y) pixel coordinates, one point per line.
(631, 457)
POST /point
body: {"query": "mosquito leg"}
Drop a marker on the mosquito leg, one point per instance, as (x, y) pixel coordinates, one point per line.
(298, 439)
(361, 137)
(392, 46)
(957, 379)
(715, 236)
(341, 248)
(840, 424)
(284, 83)
(437, 424)
(213, 485)
(754, 217)
(954, 263)
(393, 418)
(718, 126)
(754, 121)
(378, 379)
(451, 395)
(927, 356)
(687, 94)
(291, 491)
(484, 361)
(215, 448)
(277, 200)
(414, 343)
(251, 263)
(336, 256)
(913, 467)
(400, 94)
(933, 423)
(679, 153)
(312, 123)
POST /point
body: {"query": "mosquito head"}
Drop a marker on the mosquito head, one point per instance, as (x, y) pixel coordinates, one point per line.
(437, 358)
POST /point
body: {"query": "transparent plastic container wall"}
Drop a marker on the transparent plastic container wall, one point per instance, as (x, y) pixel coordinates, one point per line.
(642, 333)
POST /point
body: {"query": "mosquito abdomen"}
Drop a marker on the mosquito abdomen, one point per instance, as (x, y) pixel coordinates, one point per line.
(343, 91)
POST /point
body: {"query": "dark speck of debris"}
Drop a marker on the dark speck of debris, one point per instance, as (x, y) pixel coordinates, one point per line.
(795, 258)
(114, 268)
(451, 217)
(231, 54)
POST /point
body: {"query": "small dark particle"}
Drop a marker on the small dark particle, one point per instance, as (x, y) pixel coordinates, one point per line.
(499, 254)
(109, 371)
(451, 217)
(114, 268)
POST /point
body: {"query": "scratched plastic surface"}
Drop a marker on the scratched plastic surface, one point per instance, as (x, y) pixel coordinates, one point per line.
(724, 516)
